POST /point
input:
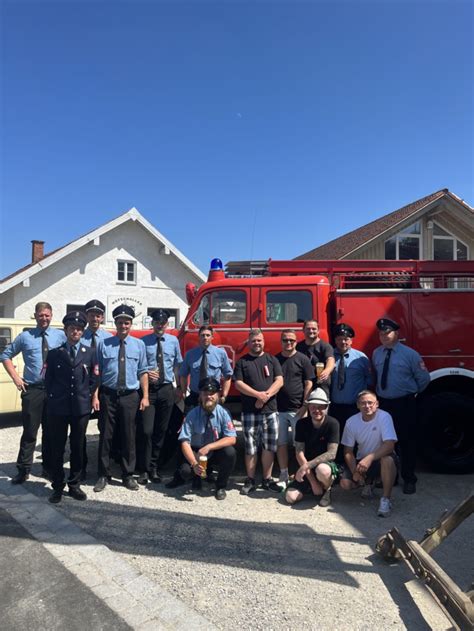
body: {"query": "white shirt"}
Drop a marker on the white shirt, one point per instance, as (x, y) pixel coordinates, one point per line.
(368, 435)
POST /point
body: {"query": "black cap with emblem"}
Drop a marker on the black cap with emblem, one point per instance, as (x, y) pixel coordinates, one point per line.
(160, 315)
(386, 324)
(95, 305)
(344, 330)
(123, 311)
(75, 317)
(209, 384)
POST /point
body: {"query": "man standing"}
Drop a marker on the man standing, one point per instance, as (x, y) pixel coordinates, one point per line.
(319, 352)
(94, 333)
(258, 377)
(351, 376)
(316, 442)
(208, 435)
(206, 360)
(373, 432)
(164, 358)
(401, 374)
(123, 370)
(298, 376)
(34, 345)
(71, 379)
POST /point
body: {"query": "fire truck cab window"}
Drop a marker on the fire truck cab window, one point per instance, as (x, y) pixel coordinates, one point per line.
(288, 306)
(222, 307)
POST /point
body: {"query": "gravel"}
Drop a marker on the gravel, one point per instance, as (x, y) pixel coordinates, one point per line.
(256, 563)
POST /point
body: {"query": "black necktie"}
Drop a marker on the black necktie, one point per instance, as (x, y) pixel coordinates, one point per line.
(44, 346)
(383, 380)
(122, 381)
(341, 372)
(159, 361)
(72, 353)
(94, 335)
(203, 367)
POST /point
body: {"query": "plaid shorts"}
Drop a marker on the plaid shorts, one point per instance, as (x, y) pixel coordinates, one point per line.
(260, 429)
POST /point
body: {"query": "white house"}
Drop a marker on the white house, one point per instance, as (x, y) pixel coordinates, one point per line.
(125, 260)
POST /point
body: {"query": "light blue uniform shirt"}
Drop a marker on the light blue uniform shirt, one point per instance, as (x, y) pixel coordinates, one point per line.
(407, 373)
(358, 376)
(171, 353)
(218, 365)
(29, 344)
(135, 361)
(200, 428)
(100, 334)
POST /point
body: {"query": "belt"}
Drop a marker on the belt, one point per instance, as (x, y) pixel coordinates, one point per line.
(36, 386)
(118, 393)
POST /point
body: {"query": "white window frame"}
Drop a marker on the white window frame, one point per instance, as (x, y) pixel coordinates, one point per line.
(402, 234)
(127, 263)
(450, 237)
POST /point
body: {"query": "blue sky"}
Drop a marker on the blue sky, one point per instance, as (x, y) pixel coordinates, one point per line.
(239, 129)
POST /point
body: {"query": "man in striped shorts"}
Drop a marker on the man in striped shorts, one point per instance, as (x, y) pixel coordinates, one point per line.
(258, 377)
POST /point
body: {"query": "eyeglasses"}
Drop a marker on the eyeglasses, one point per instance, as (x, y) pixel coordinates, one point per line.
(288, 340)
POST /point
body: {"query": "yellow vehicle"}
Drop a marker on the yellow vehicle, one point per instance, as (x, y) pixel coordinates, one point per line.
(10, 396)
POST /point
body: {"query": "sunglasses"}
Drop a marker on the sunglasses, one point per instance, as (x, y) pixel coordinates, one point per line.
(288, 340)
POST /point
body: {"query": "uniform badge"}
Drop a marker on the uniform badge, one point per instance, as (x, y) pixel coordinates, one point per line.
(96, 370)
(230, 425)
(83, 350)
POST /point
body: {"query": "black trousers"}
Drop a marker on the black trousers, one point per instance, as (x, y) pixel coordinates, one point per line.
(153, 425)
(118, 411)
(58, 426)
(403, 411)
(33, 414)
(223, 459)
(341, 412)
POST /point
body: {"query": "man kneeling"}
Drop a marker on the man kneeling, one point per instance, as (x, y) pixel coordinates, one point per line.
(208, 437)
(373, 431)
(316, 443)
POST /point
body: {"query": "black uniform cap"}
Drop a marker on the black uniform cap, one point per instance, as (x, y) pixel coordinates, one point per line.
(209, 384)
(344, 329)
(95, 305)
(123, 311)
(385, 324)
(75, 317)
(160, 315)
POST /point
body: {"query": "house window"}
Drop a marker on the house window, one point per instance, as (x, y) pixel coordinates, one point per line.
(127, 272)
(405, 245)
(446, 247)
(75, 308)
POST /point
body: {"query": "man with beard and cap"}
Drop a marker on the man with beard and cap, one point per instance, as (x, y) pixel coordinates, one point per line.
(93, 333)
(319, 352)
(351, 375)
(71, 379)
(316, 442)
(401, 375)
(123, 371)
(34, 345)
(164, 359)
(208, 432)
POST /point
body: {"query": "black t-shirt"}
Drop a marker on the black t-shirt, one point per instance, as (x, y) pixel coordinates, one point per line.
(259, 373)
(296, 370)
(318, 352)
(316, 441)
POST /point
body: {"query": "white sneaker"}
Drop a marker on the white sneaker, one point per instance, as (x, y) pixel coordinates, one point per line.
(367, 492)
(385, 507)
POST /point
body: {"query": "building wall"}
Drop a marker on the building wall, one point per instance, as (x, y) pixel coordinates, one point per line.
(91, 272)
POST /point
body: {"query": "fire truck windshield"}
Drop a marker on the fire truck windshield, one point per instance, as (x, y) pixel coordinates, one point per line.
(221, 307)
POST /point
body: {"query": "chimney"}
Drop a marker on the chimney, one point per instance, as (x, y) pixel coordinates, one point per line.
(37, 251)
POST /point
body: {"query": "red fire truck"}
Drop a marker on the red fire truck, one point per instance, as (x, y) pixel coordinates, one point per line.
(432, 300)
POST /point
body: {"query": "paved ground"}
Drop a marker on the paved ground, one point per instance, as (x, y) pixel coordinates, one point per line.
(159, 559)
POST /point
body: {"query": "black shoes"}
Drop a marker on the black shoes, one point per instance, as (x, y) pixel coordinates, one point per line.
(55, 497)
(143, 478)
(175, 482)
(101, 484)
(130, 484)
(409, 488)
(77, 493)
(271, 485)
(221, 494)
(249, 487)
(20, 477)
(155, 476)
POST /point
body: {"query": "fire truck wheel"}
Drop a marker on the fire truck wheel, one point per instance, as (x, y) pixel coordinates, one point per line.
(446, 438)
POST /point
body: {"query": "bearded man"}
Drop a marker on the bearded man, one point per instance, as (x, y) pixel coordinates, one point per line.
(207, 439)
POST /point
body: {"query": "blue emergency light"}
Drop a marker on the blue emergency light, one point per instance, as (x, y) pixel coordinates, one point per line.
(216, 265)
